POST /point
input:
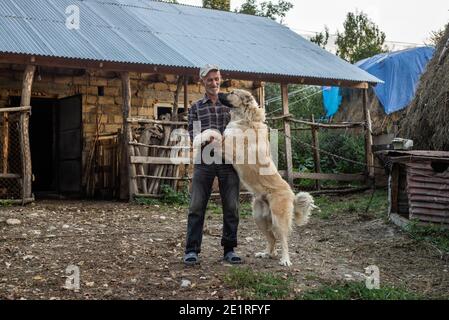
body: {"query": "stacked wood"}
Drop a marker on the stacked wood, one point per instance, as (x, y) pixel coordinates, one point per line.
(151, 151)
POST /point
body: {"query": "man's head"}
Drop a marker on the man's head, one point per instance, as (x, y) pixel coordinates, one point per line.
(211, 77)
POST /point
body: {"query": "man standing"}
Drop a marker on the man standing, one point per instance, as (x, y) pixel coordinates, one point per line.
(210, 113)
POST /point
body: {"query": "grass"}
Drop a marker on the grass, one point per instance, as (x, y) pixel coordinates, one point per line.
(436, 235)
(258, 285)
(352, 204)
(216, 208)
(358, 291)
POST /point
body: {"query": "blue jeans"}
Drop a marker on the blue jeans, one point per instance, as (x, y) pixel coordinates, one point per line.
(229, 183)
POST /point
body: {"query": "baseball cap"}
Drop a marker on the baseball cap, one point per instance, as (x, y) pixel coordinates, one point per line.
(208, 68)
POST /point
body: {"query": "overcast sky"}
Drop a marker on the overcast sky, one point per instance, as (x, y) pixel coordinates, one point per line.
(408, 21)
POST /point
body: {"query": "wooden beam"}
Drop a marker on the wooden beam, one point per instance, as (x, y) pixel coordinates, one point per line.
(25, 101)
(186, 93)
(316, 152)
(327, 176)
(288, 139)
(15, 58)
(125, 179)
(368, 137)
(159, 160)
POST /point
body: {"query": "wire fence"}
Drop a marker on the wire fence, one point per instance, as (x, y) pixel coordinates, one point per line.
(12, 156)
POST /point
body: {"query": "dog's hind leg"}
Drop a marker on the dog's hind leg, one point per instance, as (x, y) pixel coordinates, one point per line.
(262, 216)
(282, 211)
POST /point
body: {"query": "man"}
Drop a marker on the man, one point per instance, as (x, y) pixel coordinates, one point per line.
(210, 113)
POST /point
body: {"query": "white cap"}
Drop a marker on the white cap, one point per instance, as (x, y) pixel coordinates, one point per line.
(208, 68)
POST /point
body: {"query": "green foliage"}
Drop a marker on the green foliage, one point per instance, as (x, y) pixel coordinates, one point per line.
(358, 291)
(6, 203)
(436, 235)
(360, 39)
(267, 9)
(437, 36)
(321, 38)
(258, 285)
(224, 5)
(352, 204)
(169, 196)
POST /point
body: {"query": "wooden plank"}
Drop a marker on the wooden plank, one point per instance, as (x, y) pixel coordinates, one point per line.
(17, 109)
(326, 176)
(161, 122)
(137, 144)
(159, 160)
(9, 176)
(288, 140)
(368, 137)
(161, 178)
(25, 101)
(330, 125)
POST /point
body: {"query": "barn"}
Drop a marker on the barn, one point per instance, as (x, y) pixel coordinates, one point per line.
(81, 82)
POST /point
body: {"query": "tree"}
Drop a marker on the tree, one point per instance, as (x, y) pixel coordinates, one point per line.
(224, 5)
(321, 38)
(360, 39)
(267, 9)
(436, 36)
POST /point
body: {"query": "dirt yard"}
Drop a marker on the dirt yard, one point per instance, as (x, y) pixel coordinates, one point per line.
(128, 251)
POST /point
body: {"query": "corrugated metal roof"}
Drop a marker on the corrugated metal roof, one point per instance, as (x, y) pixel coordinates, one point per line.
(158, 33)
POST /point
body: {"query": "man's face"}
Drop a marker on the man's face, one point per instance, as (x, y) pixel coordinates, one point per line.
(212, 83)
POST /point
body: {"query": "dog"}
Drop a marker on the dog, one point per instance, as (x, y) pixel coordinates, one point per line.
(274, 206)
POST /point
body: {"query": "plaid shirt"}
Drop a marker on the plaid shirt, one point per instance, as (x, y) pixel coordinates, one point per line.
(211, 116)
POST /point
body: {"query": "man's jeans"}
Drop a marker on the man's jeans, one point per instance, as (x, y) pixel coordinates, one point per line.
(229, 183)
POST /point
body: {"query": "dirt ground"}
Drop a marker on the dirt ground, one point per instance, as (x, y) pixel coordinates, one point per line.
(128, 251)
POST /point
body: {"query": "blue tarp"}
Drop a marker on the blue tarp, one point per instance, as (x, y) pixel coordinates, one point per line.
(400, 71)
(331, 100)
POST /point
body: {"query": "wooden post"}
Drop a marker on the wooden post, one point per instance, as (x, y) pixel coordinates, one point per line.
(125, 178)
(5, 142)
(262, 95)
(287, 131)
(368, 137)
(316, 152)
(25, 101)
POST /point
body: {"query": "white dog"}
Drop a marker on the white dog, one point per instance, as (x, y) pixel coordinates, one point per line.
(274, 205)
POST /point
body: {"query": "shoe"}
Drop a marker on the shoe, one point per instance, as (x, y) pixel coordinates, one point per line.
(232, 258)
(191, 259)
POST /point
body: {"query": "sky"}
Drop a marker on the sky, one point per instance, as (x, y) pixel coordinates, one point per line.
(405, 22)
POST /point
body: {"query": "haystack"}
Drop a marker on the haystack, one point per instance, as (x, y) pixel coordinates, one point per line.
(427, 120)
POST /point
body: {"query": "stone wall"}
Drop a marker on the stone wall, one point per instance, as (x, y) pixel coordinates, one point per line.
(103, 113)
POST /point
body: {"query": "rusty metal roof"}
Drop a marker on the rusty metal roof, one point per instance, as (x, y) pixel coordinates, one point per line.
(163, 34)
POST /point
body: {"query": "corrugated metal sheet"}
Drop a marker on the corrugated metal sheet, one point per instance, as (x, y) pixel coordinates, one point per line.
(157, 33)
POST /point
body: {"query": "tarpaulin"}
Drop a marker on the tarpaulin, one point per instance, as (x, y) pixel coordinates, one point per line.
(331, 100)
(400, 71)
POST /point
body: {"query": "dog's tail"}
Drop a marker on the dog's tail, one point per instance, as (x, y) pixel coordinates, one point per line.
(303, 206)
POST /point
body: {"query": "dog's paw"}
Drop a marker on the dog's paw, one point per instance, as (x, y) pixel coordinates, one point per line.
(263, 255)
(285, 262)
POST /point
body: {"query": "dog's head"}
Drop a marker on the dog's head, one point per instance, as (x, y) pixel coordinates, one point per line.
(244, 106)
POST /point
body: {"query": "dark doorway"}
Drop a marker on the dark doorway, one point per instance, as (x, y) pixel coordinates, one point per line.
(56, 146)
